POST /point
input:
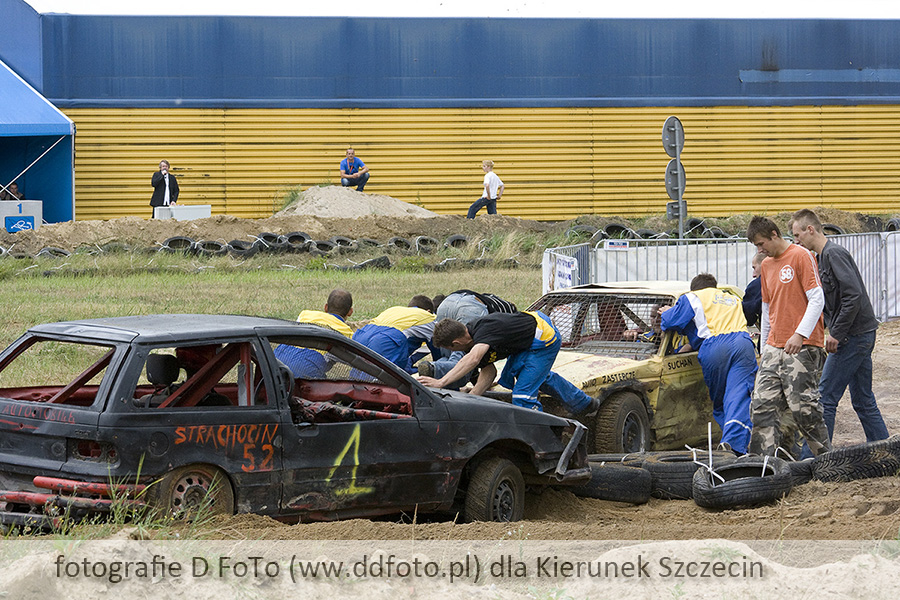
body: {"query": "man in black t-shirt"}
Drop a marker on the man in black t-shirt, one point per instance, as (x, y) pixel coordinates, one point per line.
(528, 341)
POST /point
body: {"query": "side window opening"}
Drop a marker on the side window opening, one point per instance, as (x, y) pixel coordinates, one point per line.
(224, 375)
(333, 382)
(56, 372)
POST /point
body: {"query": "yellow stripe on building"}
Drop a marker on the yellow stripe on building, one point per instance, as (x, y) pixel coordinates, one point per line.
(556, 163)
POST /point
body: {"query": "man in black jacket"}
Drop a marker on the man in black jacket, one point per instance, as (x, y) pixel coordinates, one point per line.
(165, 186)
(851, 326)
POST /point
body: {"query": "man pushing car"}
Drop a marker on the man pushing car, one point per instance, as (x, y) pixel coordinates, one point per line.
(529, 342)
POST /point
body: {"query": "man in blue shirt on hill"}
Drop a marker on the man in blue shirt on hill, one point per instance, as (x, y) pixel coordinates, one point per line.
(354, 171)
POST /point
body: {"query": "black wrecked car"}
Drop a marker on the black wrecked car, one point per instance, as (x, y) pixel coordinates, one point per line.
(254, 415)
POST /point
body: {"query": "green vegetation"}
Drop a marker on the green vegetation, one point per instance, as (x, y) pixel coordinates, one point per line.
(139, 284)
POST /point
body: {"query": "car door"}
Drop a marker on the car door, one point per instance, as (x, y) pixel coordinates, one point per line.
(363, 438)
(682, 408)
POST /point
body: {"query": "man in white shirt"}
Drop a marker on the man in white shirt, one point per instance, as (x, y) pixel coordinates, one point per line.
(493, 190)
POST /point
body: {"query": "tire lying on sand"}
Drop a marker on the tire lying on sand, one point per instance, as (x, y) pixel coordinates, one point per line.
(832, 229)
(367, 243)
(242, 249)
(616, 482)
(748, 481)
(801, 471)
(321, 247)
(672, 473)
(178, 243)
(862, 461)
(892, 225)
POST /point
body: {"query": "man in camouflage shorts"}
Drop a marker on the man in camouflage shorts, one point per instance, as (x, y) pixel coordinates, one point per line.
(794, 338)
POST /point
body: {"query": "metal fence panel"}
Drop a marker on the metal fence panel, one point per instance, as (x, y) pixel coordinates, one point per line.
(727, 259)
(877, 254)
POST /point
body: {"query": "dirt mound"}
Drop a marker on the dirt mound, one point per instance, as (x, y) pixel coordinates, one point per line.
(339, 202)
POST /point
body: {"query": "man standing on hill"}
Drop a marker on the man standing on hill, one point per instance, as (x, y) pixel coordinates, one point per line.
(851, 326)
(354, 171)
(793, 341)
(493, 190)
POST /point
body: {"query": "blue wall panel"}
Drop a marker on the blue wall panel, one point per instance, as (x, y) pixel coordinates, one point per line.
(20, 40)
(322, 62)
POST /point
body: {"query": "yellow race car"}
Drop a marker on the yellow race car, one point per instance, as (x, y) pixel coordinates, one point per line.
(650, 383)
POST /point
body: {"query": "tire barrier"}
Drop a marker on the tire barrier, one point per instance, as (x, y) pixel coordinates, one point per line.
(321, 247)
(2, 252)
(211, 248)
(343, 242)
(862, 461)
(748, 481)
(717, 232)
(114, 247)
(178, 243)
(581, 231)
(19, 254)
(633, 459)
(53, 252)
(367, 243)
(296, 241)
(271, 243)
(619, 231)
(382, 262)
(456, 241)
(672, 473)
(426, 245)
(892, 225)
(400, 243)
(646, 234)
(242, 249)
(832, 229)
(616, 482)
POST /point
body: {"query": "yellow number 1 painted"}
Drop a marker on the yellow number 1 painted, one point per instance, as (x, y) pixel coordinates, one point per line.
(352, 488)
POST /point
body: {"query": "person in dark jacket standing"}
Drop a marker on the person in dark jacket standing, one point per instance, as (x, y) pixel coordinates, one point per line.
(165, 186)
(752, 303)
(851, 326)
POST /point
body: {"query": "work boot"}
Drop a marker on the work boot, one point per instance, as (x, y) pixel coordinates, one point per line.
(425, 368)
(591, 409)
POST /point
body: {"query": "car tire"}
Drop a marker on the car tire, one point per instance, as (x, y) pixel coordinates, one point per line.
(296, 241)
(801, 471)
(456, 241)
(622, 425)
(242, 249)
(211, 248)
(187, 491)
(632, 460)
(862, 461)
(746, 483)
(496, 492)
(178, 243)
(426, 244)
(832, 229)
(616, 482)
(53, 252)
(400, 243)
(892, 225)
(271, 243)
(672, 473)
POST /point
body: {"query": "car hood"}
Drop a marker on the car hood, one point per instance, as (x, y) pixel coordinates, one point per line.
(581, 368)
(467, 407)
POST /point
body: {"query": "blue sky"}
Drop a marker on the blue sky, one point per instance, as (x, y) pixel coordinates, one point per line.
(829, 9)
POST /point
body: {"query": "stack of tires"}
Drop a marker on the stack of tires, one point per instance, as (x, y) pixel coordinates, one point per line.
(722, 480)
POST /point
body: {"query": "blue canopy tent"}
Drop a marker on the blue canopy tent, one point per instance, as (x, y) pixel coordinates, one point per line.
(36, 147)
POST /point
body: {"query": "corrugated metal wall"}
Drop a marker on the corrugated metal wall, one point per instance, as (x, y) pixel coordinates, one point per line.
(557, 163)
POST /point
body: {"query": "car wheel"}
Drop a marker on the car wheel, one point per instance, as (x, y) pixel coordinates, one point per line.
(622, 425)
(496, 492)
(195, 489)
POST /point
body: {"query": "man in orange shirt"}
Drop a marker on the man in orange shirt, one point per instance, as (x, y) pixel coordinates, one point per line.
(793, 340)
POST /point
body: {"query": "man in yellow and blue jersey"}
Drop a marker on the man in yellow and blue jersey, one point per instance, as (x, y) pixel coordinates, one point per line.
(528, 341)
(713, 321)
(307, 363)
(399, 331)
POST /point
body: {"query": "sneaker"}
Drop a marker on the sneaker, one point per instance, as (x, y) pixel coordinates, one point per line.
(425, 368)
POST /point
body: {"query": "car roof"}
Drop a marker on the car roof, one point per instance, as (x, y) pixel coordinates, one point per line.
(175, 328)
(667, 288)
(653, 287)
